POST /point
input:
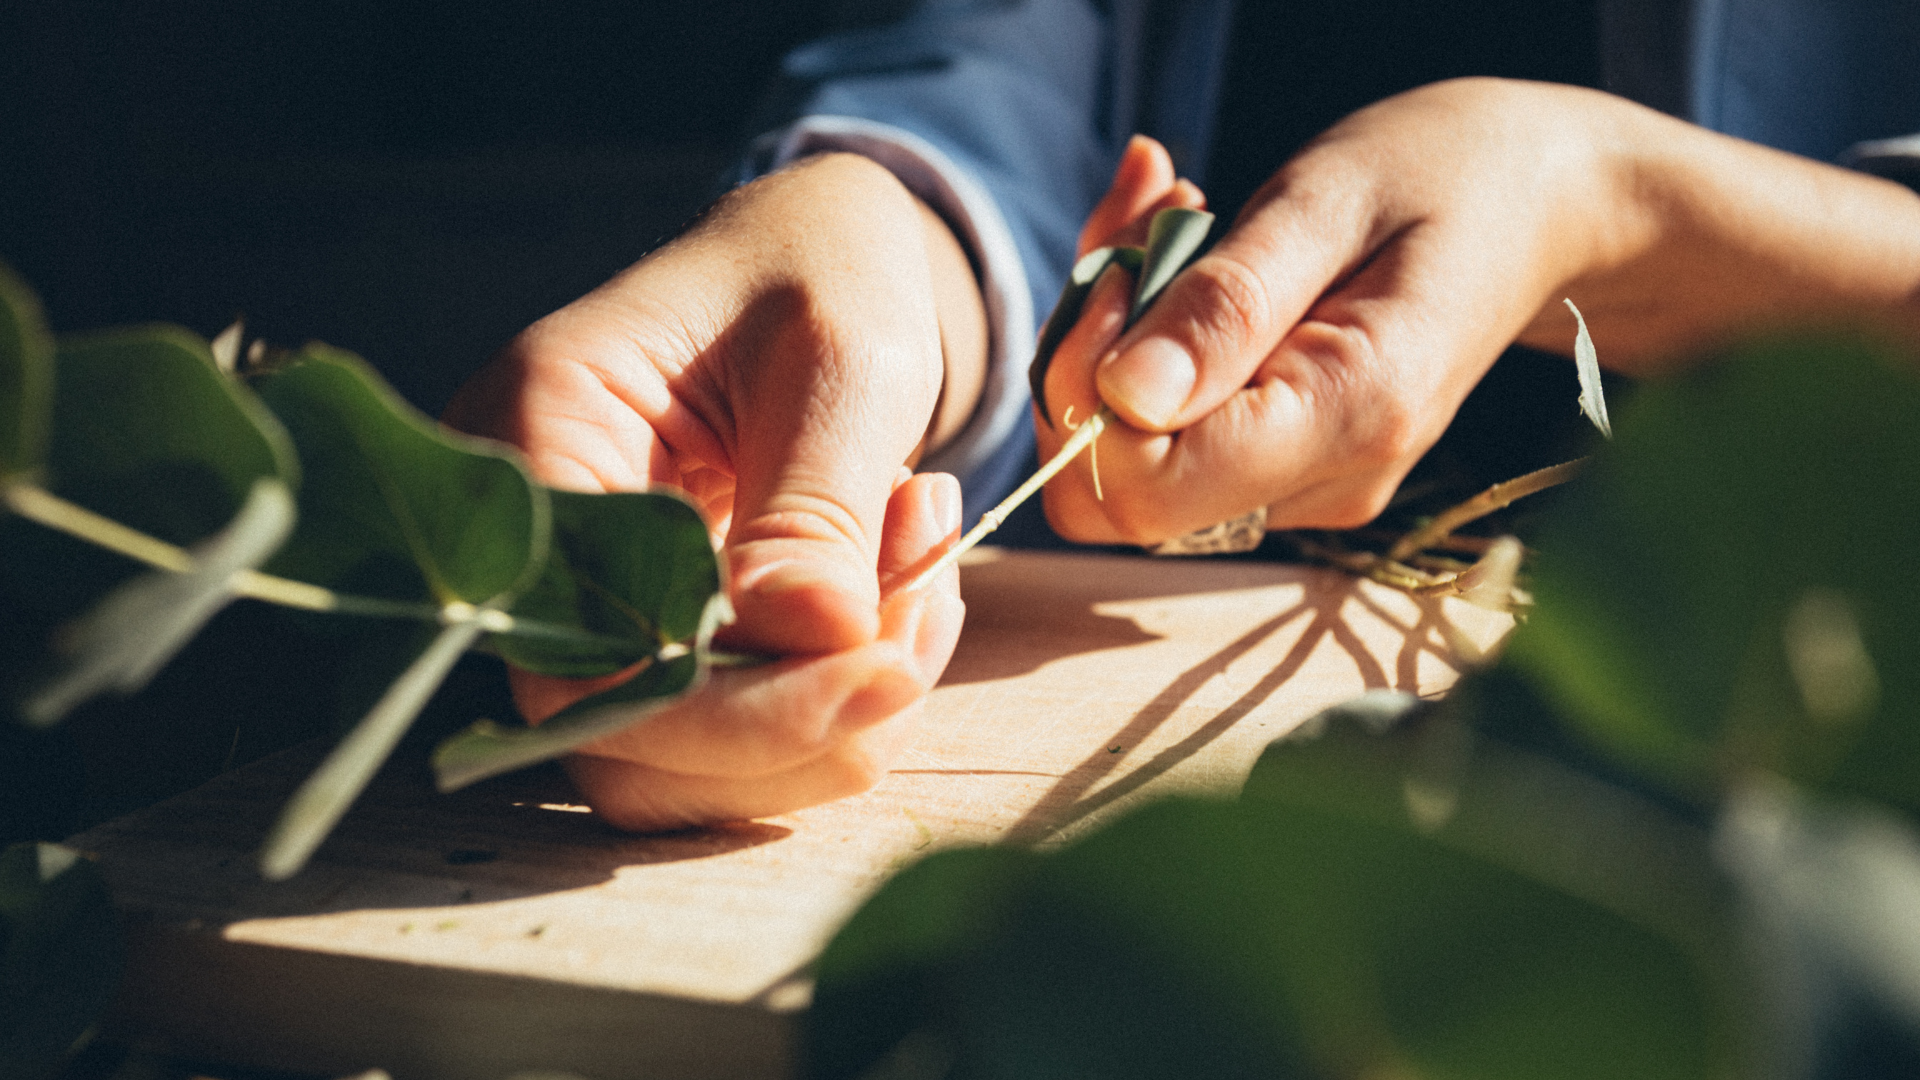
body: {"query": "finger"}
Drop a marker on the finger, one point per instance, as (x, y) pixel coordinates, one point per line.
(1144, 176)
(759, 721)
(1329, 422)
(1221, 317)
(923, 520)
(1070, 388)
(639, 798)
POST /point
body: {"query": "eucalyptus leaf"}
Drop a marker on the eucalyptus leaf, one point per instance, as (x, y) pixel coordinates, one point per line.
(1586, 363)
(634, 569)
(394, 506)
(1066, 312)
(142, 623)
(1672, 616)
(60, 957)
(488, 749)
(26, 376)
(1439, 773)
(147, 431)
(323, 798)
(879, 994)
(1174, 237)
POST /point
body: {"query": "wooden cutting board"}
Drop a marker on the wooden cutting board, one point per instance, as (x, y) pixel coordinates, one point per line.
(503, 928)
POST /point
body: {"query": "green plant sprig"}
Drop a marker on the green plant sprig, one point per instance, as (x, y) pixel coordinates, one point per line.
(310, 484)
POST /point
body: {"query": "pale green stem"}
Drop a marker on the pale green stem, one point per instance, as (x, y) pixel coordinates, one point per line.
(39, 505)
(1082, 438)
(1494, 498)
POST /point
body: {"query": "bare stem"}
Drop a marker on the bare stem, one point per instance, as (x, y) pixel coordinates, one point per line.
(1494, 498)
(1083, 437)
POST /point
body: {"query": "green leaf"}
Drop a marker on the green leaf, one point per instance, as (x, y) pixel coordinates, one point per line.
(1586, 362)
(142, 623)
(489, 749)
(878, 990)
(1266, 939)
(393, 506)
(1173, 238)
(325, 796)
(1066, 312)
(634, 569)
(60, 957)
(1730, 589)
(1440, 774)
(148, 432)
(26, 376)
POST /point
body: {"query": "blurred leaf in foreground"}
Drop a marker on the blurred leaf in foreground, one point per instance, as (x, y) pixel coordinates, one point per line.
(60, 957)
(1730, 589)
(142, 623)
(26, 376)
(1409, 905)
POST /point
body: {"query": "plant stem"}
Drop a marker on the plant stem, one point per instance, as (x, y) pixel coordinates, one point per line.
(1083, 437)
(1494, 498)
(37, 504)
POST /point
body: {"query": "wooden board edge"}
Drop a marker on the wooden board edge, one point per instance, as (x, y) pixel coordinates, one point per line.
(192, 994)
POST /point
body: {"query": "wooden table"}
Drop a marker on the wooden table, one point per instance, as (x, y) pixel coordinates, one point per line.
(504, 928)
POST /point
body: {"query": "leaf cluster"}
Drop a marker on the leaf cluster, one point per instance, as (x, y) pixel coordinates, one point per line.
(144, 485)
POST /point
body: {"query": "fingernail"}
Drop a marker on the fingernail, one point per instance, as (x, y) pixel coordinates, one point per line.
(946, 504)
(1150, 381)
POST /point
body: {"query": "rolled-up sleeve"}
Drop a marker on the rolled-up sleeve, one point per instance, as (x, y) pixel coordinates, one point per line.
(992, 113)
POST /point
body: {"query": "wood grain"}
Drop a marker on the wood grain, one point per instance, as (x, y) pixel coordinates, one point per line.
(504, 928)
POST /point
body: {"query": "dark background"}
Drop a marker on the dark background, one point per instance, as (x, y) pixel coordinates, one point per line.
(414, 180)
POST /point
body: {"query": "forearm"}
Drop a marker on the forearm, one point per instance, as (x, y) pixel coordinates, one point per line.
(1716, 236)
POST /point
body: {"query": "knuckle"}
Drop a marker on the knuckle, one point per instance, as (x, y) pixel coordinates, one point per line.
(1235, 305)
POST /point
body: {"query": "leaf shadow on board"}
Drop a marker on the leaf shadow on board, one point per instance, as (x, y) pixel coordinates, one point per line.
(402, 845)
(1026, 612)
(1073, 798)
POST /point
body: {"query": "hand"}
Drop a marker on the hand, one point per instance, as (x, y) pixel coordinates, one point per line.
(780, 362)
(1308, 360)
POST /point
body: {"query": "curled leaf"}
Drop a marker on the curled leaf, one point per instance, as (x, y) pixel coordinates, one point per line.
(1586, 361)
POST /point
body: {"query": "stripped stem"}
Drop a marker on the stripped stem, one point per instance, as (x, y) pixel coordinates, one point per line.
(43, 507)
(1494, 498)
(1082, 438)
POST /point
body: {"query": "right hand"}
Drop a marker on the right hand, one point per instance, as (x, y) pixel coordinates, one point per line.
(1308, 360)
(781, 362)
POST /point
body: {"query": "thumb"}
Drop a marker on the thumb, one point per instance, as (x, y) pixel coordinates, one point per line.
(1207, 334)
(814, 474)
